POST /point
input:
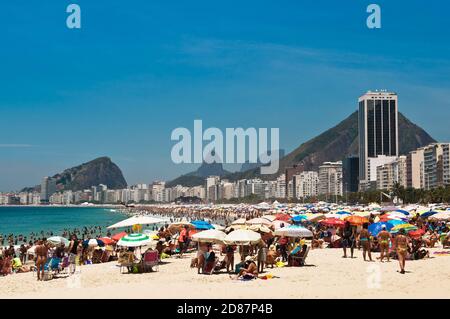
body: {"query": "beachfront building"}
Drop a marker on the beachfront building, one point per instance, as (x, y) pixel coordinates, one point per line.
(330, 179)
(378, 132)
(48, 188)
(350, 174)
(307, 184)
(415, 169)
(391, 173)
(436, 165)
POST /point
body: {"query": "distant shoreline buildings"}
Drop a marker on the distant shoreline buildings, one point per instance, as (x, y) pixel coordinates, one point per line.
(378, 166)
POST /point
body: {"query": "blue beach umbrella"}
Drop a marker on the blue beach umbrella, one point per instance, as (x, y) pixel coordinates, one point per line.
(93, 243)
(299, 218)
(343, 213)
(402, 211)
(375, 228)
(428, 214)
(202, 225)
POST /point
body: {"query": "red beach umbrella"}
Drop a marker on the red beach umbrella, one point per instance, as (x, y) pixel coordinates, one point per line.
(107, 240)
(283, 217)
(333, 222)
(118, 236)
(416, 233)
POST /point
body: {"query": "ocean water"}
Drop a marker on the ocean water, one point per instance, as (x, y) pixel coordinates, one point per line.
(24, 220)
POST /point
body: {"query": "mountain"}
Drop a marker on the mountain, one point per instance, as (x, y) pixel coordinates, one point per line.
(98, 171)
(337, 143)
(198, 177)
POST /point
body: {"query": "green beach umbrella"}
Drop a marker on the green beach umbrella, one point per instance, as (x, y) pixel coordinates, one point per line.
(134, 240)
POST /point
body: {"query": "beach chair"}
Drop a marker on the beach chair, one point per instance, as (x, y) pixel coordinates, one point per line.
(151, 260)
(209, 267)
(64, 266)
(51, 268)
(126, 260)
(300, 261)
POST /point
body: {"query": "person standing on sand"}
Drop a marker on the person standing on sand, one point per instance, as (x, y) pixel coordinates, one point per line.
(364, 238)
(348, 235)
(41, 258)
(401, 246)
(384, 237)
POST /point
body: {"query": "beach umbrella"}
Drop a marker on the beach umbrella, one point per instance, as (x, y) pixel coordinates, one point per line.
(219, 227)
(107, 240)
(299, 218)
(269, 217)
(209, 236)
(404, 212)
(118, 236)
(389, 209)
(356, 220)
(406, 227)
(259, 221)
(343, 213)
(137, 220)
(442, 216)
(333, 222)
(240, 221)
(134, 240)
(177, 226)
(293, 231)
(283, 217)
(416, 233)
(202, 225)
(316, 217)
(93, 243)
(395, 222)
(376, 228)
(333, 215)
(260, 228)
(279, 224)
(242, 237)
(428, 214)
(58, 240)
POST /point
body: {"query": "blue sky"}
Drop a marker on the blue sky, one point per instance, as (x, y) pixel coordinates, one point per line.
(137, 70)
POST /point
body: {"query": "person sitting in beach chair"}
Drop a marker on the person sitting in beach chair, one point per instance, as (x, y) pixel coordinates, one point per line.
(298, 256)
(126, 260)
(210, 261)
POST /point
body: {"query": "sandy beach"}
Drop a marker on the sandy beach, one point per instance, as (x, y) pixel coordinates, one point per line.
(326, 276)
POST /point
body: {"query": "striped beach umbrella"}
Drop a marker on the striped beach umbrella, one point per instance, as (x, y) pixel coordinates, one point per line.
(406, 227)
(93, 243)
(134, 240)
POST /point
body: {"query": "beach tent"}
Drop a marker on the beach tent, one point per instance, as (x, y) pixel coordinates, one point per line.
(134, 240)
(242, 237)
(137, 220)
(294, 231)
(209, 236)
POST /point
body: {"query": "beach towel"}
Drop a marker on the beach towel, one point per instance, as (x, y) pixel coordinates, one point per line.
(280, 264)
(442, 253)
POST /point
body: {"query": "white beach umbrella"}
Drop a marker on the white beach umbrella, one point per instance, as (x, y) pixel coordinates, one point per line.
(240, 221)
(209, 236)
(242, 237)
(259, 221)
(218, 227)
(134, 240)
(58, 240)
(269, 217)
(294, 231)
(137, 220)
(441, 216)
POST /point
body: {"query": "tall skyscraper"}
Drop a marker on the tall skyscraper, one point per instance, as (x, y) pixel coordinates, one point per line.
(378, 131)
(48, 188)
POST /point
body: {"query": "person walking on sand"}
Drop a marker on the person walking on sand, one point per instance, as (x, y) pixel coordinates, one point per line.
(401, 246)
(384, 238)
(364, 238)
(348, 235)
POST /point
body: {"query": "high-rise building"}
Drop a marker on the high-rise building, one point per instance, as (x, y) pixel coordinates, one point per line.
(350, 167)
(378, 131)
(391, 173)
(48, 188)
(307, 184)
(330, 179)
(415, 169)
(436, 165)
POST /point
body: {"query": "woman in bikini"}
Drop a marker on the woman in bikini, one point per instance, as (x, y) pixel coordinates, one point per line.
(401, 246)
(364, 238)
(384, 237)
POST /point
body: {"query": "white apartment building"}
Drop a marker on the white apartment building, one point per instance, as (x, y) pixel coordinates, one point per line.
(307, 184)
(330, 179)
